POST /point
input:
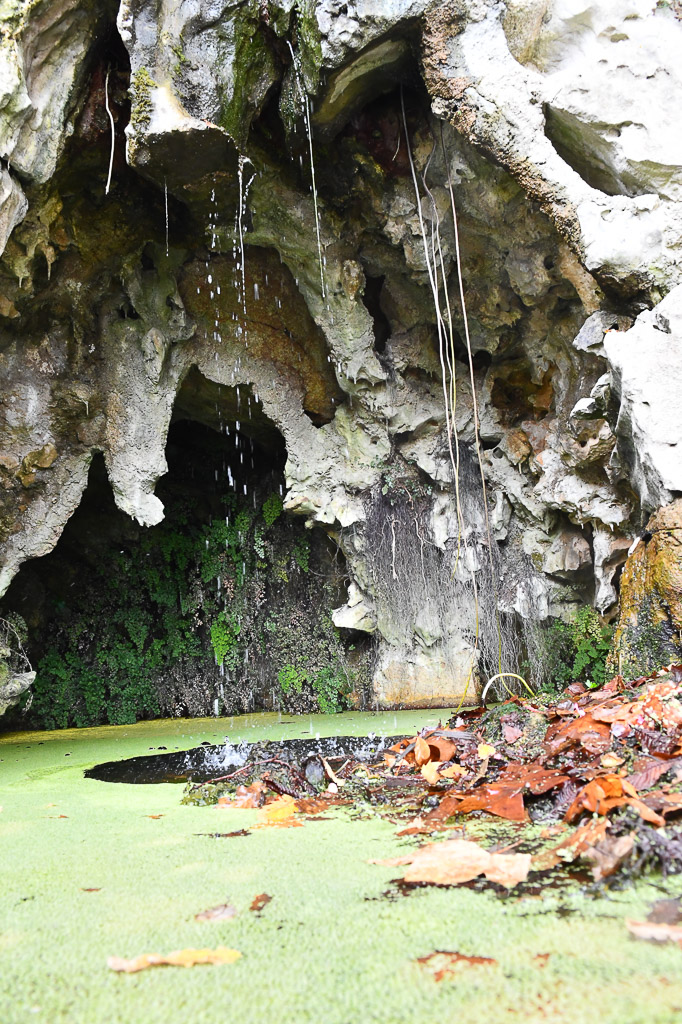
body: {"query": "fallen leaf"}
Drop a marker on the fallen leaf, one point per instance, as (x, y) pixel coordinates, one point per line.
(430, 772)
(280, 809)
(498, 799)
(180, 958)
(155, 815)
(444, 964)
(540, 959)
(485, 750)
(246, 796)
(457, 860)
(441, 748)
(532, 777)
(608, 854)
(91, 890)
(259, 902)
(611, 760)
(602, 795)
(222, 913)
(422, 751)
(650, 772)
(572, 846)
(650, 931)
(511, 733)
(593, 736)
(453, 771)
(665, 912)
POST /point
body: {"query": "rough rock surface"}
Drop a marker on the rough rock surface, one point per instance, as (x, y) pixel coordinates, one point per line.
(552, 125)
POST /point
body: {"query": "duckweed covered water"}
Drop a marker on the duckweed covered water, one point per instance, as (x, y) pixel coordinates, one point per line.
(92, 870)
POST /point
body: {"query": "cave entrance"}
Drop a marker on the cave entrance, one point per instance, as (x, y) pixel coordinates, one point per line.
(222, 608)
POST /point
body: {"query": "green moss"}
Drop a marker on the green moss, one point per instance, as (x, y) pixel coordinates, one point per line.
(141, 85)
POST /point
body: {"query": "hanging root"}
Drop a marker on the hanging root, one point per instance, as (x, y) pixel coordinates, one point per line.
(113, 131)
(505, 675)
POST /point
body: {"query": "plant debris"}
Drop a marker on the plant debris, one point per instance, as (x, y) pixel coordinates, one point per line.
(607, 762)
(443, 964)
(180, 958)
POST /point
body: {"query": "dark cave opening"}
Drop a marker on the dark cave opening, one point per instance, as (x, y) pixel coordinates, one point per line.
(222, 608)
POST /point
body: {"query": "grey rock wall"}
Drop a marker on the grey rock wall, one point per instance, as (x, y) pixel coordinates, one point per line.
(554, 123)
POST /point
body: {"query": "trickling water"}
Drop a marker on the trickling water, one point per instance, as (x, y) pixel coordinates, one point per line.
(300, 83)
(165, 196)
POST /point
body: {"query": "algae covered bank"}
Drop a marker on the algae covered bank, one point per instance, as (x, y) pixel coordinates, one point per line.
(340, 349)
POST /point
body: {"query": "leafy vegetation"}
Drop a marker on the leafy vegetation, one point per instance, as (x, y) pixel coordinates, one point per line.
(577, 651)
(191, 614)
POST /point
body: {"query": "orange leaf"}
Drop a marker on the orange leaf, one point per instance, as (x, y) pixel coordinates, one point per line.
(260, 901)
(444, 964)
(180, 958)
(422, 753)
(453, 771)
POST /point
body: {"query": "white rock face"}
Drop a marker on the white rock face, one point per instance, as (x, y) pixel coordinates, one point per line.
(646, 365)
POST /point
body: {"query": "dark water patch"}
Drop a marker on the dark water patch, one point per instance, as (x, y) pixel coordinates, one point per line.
(202, 763)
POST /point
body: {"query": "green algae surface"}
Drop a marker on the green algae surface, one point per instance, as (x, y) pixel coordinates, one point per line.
(87, 873)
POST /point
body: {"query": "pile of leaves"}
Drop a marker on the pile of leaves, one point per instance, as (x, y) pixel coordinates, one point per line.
(592, 782)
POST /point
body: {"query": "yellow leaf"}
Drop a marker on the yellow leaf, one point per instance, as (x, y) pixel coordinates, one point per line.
(485, 750)
(453, 771)
(430, 772)
(611, 760)
(278, 810)
(179, 958)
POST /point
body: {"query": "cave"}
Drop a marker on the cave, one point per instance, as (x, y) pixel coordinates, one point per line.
(222, 608)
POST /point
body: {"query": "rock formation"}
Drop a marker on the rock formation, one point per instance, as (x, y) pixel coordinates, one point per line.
(261, 197)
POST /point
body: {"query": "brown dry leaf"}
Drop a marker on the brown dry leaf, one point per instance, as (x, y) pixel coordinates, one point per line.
(500, 800)
(422, 751)
(600, 796)
(649, 771)
(650, 931)
(222, 913)
(541, 959)
(155, 815)
(532, 776)
(91, 889)
(592, 735)
(608, 855)
(572, 846)
(180, 958)
(444, 964)
(442, 748)
(457, 860)
(260, 901)
(511, 733)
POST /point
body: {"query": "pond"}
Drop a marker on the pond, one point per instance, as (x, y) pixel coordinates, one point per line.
(93, 870)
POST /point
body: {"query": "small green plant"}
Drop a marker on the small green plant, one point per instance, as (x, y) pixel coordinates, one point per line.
(225, 640)
(576, 651)
(272, 508)
(302, 553)
(291, 679)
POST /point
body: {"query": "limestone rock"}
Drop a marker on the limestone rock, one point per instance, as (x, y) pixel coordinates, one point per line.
(646, 367)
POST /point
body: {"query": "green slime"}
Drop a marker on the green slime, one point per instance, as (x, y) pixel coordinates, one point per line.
(329, 948)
